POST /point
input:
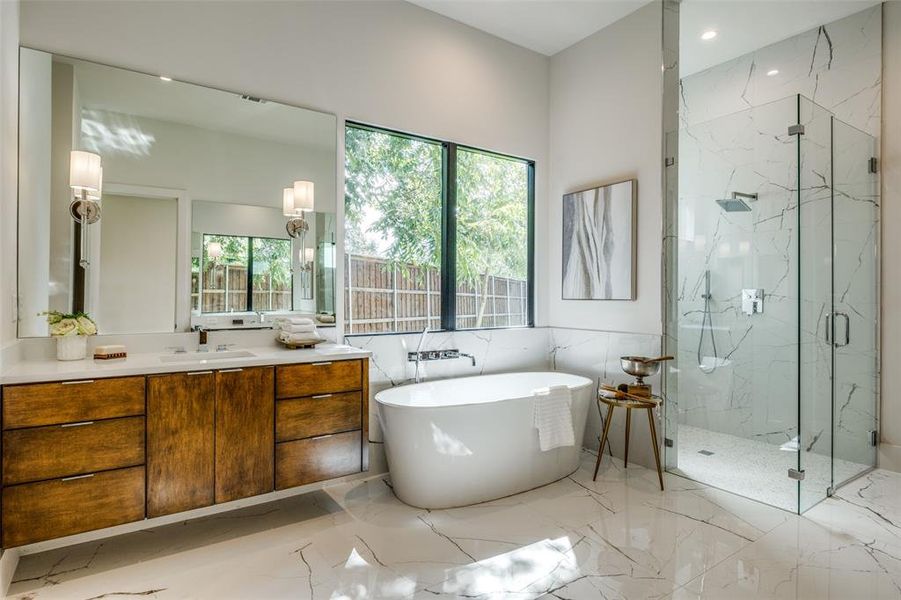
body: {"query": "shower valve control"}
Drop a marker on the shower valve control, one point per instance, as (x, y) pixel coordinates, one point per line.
(752, 301)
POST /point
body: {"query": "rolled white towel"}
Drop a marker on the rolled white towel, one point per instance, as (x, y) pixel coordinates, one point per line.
(300, 321)
(299, 338)
(290, 328)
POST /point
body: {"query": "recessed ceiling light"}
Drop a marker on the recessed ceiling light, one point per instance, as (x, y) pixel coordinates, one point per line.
(164, 78)
(708, 35)
(772, 72)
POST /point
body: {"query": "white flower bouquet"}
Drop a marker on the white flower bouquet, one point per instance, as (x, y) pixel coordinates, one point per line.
(65, 324)
(71, 331)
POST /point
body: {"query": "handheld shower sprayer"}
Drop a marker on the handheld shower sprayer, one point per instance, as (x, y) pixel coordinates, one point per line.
(707, 326)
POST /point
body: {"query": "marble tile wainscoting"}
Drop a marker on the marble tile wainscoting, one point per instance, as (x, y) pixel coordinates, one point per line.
(495, 351)
(593, 354)
(596, 355)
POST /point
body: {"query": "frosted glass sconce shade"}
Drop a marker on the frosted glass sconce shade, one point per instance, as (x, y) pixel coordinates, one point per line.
(288, 202)
(85, 172)
(214, 250)
(303, 196)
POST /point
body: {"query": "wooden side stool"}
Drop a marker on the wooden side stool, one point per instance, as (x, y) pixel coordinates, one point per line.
(614, 398)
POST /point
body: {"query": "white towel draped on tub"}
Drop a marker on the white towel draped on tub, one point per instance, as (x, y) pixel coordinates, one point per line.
(553, 417)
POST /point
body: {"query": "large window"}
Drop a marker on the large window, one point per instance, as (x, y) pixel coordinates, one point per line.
(231, 265)
(436, 234)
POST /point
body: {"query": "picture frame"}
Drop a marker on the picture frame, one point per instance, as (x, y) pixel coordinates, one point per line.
(600, 231)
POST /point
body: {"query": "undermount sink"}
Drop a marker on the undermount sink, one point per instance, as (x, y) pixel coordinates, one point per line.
(205, 357)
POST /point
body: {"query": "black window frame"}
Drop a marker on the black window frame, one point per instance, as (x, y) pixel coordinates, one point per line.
(250, 238)
(449, 227)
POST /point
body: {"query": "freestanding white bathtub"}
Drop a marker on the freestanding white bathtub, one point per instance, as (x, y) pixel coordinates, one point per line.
(456, 442)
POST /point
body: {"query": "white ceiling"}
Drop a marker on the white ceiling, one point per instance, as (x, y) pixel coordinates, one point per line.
(545, 26)
(746, 25)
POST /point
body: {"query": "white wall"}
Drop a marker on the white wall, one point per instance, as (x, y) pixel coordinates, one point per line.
(605, 126)
(393, 64)
(35, 191)
(212, 165)
(890, 418)
(9, 99)
(137, 264)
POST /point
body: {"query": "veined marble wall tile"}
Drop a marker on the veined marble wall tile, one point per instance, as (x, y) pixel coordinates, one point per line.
(496, 351)
(838, 66)
(596, 354)
(593, 354)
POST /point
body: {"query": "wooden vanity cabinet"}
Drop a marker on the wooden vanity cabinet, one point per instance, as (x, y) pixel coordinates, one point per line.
(73, 457)
(321, 421)
(181, 420)
(85, 455)
(245, 432)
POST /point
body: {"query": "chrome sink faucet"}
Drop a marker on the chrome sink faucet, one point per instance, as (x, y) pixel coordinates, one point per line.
(202, 341)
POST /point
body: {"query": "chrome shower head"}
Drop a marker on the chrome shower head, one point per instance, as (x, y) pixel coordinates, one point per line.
(737, 202)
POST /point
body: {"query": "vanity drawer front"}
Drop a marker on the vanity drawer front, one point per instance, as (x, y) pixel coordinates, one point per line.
(298, 418)
(72, 401)
(73, 449)
(33, 512)
(316, 459)
(328, 377)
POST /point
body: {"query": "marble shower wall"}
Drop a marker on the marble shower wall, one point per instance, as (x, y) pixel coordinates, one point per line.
(838, 66)
(734, 138)
(594, 354)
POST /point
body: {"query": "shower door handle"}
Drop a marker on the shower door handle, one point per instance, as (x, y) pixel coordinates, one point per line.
(829, 328)
(847, 329)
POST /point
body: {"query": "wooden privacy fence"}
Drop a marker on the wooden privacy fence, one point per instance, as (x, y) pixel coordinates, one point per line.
(381, 296)
(225, 289)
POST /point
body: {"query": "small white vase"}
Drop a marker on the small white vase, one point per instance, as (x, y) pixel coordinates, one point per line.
(71, 347)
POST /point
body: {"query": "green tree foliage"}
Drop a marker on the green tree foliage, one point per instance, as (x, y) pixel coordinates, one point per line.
(393, 206)
(392, 198)
(274, 254)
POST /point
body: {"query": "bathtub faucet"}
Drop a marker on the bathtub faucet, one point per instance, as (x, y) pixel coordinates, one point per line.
(469, 356)
(423, 355)
(425, 332)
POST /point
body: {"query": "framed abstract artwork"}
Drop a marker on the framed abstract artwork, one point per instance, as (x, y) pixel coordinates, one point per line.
(599, 242)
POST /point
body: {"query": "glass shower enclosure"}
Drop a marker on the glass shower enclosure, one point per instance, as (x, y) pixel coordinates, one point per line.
(773, 304)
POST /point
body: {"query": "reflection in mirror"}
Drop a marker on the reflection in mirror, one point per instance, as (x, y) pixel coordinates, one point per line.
(186, 225)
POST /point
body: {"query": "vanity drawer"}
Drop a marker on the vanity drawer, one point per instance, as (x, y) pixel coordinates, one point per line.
(298, 418)
(50, 509)
(328, 377)
(316, 459)
(60, 450)
(72, 401)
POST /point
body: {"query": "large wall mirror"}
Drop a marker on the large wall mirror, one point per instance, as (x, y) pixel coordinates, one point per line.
(181, 206)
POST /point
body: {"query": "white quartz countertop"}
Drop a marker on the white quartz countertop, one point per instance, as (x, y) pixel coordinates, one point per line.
(32, 371)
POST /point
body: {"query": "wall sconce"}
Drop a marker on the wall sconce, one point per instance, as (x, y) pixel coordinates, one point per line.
(295, 202)
(214, 251)
(86, 182)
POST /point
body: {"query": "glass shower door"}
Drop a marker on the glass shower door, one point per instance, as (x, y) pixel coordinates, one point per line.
(855, 300)
(838, 199)
(813, 445)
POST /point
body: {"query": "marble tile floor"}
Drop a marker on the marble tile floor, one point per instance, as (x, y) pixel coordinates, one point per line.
(619, 537)
(755, 469)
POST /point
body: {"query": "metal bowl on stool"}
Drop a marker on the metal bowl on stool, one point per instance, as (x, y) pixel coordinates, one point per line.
(640, 366)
